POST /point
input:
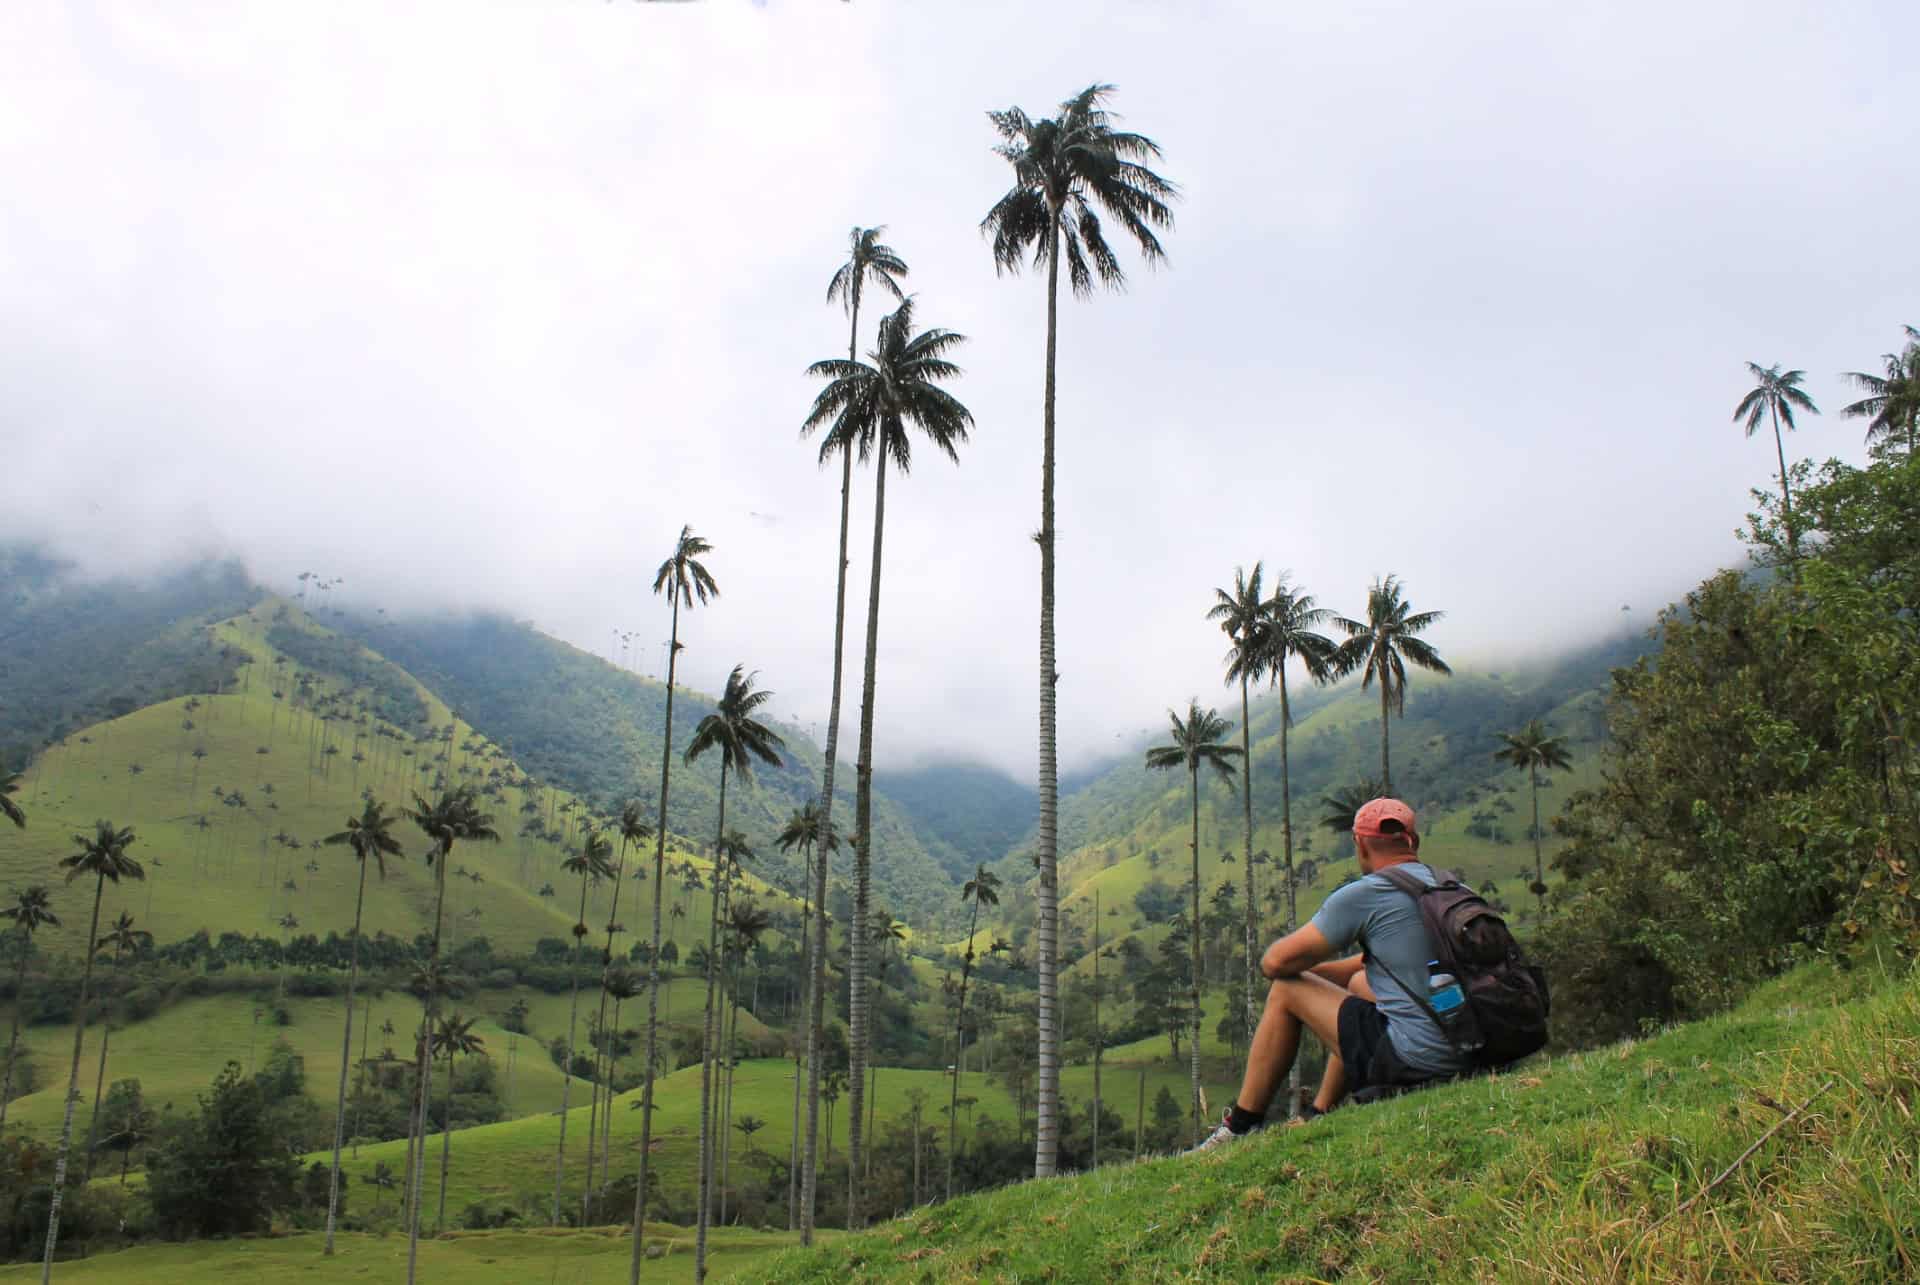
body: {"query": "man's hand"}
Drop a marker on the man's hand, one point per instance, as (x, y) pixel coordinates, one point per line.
(1295, 953)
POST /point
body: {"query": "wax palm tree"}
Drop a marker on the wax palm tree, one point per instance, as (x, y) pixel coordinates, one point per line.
(32, 910)
(591, 864)
(120, 939)
(9, 785)
(1380, 649)
(449, 819)
(1292, 630)
(1067, 168)
(1775, 394)
(685, 580)
(102, 855)
(809, 829)
(981, 890)
(1242, 615)
(746, 923)
(1529, 750)
(1194, 742)
(735, 732)
(1342, 804)
(634, 830)
(370, 836)
(868, 407)
(868, 261)
(453, 1037)
(622, 985)
(1891, 406)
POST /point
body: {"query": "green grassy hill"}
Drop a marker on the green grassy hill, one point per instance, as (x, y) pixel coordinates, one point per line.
(473, 1258)
(1575, 1169)
(571, 717)
(265, 755)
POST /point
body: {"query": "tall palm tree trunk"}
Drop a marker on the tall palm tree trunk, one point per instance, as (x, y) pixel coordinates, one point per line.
(73, 1088)
(425, 1052)
(653, 963)
(606, 963)
(817, 966)
(1539, 863)
(1046, 1148)
(606, 1117)
(346, 1056)
(13, 1040)
(100, 1083)
(862, 1019)
(959, 1035)
(446, 1149)
(1246, 812)
(566, 1076)
(1386, 765)
(806, 1025)
(1193, 942)
(1286, 838)
(705, 1213)
(1786, 495)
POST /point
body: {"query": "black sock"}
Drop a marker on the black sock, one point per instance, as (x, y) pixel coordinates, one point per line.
(1240, 1120)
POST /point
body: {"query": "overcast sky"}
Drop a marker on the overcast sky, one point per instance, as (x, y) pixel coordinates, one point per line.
(475, 304)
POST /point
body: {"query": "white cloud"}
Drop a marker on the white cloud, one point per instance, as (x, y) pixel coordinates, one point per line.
(477, 304)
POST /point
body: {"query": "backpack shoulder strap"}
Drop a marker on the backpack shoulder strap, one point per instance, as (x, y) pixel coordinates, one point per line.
(1408, 882)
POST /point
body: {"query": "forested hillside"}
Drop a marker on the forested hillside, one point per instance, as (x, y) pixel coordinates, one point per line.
(74, 651)
(575, 719)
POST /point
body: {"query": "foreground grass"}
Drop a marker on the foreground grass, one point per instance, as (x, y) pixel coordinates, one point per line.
(1577, 1170)
(474, 1258)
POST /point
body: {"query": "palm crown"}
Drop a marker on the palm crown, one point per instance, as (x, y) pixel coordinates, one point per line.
(1067, 169)
(868, 406)
(1242, 614)
(370, 835)
(594, 860)
(8, 808)
(452, 817)
(1199, 740)
(1293, 620)
(456, 1036)
(103, 855)
(633, 823)
(1774, 391)
(807, 828)
(682, 577)
(1533, 747)
(734, 731)
(1381, 646)
(867, 261)
(124, 938)
(1892, 402)
(32, 909)
(983, 889)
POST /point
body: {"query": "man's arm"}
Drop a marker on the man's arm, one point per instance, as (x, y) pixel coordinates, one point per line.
(1340, 971)
(1297, 953)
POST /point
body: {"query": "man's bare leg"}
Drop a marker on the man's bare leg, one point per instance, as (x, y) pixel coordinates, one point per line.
(1333, 1084)
(1292, 1003)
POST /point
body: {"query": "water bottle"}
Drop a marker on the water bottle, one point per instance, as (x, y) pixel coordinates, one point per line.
(1448, 1001)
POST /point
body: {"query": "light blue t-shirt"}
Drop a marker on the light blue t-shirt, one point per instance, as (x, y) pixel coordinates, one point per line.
(1372, 913)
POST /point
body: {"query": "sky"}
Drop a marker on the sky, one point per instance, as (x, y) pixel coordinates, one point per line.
(475, 305)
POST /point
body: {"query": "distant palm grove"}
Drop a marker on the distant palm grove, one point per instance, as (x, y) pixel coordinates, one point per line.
(706, 1002)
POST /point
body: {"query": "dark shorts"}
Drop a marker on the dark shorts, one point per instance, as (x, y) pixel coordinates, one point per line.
(1369, 1056)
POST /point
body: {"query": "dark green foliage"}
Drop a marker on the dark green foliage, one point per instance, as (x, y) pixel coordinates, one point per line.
(393, 697)
(1762, 797)
(963, 813)
(225, 1169)
(81, 651)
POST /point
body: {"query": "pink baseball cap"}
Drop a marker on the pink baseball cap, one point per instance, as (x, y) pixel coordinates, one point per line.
(1370, 822)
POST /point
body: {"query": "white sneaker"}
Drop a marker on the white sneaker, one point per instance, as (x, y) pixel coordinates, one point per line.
(1220, 1137)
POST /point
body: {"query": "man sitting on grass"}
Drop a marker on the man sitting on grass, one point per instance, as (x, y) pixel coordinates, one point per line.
(1376, 1034)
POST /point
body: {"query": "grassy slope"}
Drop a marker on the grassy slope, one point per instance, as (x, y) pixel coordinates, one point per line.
(515, 1159)
(474, 1258)
(231, 878)
(1572, 1171)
